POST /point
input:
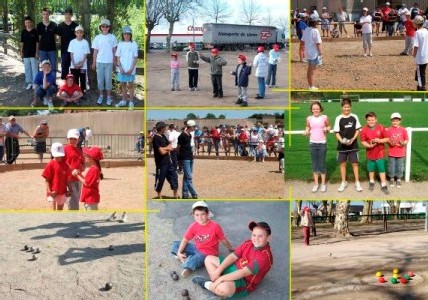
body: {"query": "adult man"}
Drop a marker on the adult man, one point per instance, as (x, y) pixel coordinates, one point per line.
(2, 137)
(342, 17)
(185, 155)
(47, 30)
(192, 59)
(415, 11)
(66, 30)
(13, 130)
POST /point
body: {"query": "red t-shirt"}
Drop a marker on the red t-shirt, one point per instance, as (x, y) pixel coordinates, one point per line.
(56, 172)
(243, 137)
(206, 238)
(74, 158)
(367, 135)
(90, 189)
(257, 260)
(410, 28)
(70, 89)
(396, 135)
(215, 135)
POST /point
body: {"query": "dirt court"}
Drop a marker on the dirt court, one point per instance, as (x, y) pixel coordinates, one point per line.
(70, 267)
(122, 188)
(337, 269)
(345, 68)
(159, 88)
(227, 179)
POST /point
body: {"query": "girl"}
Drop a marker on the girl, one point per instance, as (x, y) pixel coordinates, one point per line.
(306, 223)
(175, 72)
(55, 174)
(90, 191)
(127, 55)
(312, 41)
(317, 126)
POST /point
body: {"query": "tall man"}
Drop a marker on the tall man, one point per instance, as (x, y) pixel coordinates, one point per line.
(13, 130)
(47, 30)
(66, 31)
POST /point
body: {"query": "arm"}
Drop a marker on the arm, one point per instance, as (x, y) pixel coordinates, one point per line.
(319, 49)
(338, 137)
(181, 248)
(227, 244)
(37, 50)
(26, 132)
(46, 83)
(308, 128)
(204, 58)
(327, 125)
(94, 60)
(48, 189)
(230, 259)
(134, 62)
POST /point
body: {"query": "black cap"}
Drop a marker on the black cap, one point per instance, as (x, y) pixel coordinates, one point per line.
(160, 125)
(262, 225)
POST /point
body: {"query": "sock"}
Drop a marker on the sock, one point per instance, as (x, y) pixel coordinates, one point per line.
(383, 184)
(371, 181)
(207, 284)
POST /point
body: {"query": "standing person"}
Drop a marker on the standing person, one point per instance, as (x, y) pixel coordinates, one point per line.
(215, 137)
(13, 130)
(216, 66)
(127, 55)
(192, 59)
(273, 61)
(56, 175)
(75, 161)
(40, 134)
(185, 155)
(420, 52)
(342, 17)
(164, 166)
(366, 23)
(30, 51)
(317, 127)
(325, 22)
(260, 63)
(91, 181)
(175, 72)
(47, 30)
(79, 50)
(312, 41)
(104, 59)
(45, 86)
(242, 73)
(402, 13)
(3, 132)
(66, 30)
(398, 140)
(410, 35)
(280, 148)
(377, 17)
(415, 11)
(347, 128)
(301, 26)
(307, 222)
(386, 24)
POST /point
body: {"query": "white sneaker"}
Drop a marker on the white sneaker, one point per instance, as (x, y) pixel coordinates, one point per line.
(29, 86)
(124, 218)
(131, 105)
(315, 188)
(323, 188)
(112, 218)
(342, 186)
(358, 186)
(50, 105)
(122, 103)
(313, 88)
(45, 101)
(109, 100)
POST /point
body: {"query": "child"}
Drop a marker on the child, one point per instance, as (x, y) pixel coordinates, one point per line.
(56, 173)
(175, 72)
(317, 127)
(192, 59)
(260, 62)
(29, 49)
(410, 34)
(366, 30)
(347, 128)
(239, 273)
(91, 181)
(280, 147)
(70, 92)
(373, 138)
(273, 64)
(45, 85)
(79, 50)
(217, 62)
(127, 54)
(260, 152)
(104, 46)
(241, 73)
(306, 222)
(40, 134)
(419, 52)
(206, 235)
(398, 140)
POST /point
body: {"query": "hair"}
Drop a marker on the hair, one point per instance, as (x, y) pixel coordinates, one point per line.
(313, 23)
(124, 38)
(316, 103)
(171, 126)
(99, 167)
(45, 9)
(201, 208)
(346, 101)
(371, 114)
(28, 18)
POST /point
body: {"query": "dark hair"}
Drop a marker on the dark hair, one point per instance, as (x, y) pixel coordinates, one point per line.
(346, 101)
(371, 114)
(28, 18)
(201, 208)
(46, 9)
(124, 38)
(99, 167)
(313, 23)
(68, 10)
(316, 103)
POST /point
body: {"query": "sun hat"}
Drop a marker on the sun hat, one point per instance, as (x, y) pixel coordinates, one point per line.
(57, 150)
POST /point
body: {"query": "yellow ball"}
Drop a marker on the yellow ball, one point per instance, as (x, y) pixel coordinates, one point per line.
(396, 276)
(395, 271)
(378, 274)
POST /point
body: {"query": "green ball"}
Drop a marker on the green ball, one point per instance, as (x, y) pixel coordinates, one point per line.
(393, 280)
(407, 276)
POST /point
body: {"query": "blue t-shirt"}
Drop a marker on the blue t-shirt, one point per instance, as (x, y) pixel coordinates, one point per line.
(50, 77)
(301, 27)
(15, 129)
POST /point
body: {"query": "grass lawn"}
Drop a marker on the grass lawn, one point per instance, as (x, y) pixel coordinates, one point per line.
(414, 114)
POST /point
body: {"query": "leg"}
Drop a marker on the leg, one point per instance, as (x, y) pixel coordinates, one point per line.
(161, 173)
(306, 235)
(108, 78)
(195, 79)
(315, 163)
(73, 204)
(356, 171)
(400, 167)
(52, 58)
(214, 84)
(274, 67)
(27, 70)
(190, 73)
(171, 177)
(220, 85)
(43, 55)
(100, 79)
(310, 74)
(343, 170)
(34, 67)
(65, 64)
(269, 75)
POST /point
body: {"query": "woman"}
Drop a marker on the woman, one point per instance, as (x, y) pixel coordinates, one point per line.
(377, 17)
(325, 22)
(40, 134)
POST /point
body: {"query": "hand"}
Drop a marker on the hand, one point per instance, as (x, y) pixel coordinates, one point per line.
(54, 194)
(93, 67)
(75, 172)
(182, 257)
(216, 283)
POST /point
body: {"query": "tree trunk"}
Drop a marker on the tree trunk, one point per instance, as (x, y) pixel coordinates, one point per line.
(341, 221)
(367, 212)
(168, 38)
(5, 15)
(31, 9)
(330, 212)
(111, 11)
(85, 22)
(297, 208)
(148, 36)
(394, 208)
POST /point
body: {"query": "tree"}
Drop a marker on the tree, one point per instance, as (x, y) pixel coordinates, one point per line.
(367, 212)
(210, 116)
(154, 14)
(250, 11)
(394, 207)
(222, 116)
(296, 215)
(341, 221)
(282, 23)
(217, 10)
(267, 18)
(191, 116)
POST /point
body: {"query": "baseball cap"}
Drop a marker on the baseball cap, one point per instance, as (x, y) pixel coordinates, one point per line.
(73, 134)
(94, 152)
(69, 76)
(365, 9)
(160, 125)
(44, 122)
(79, 28)
(242, 57)
(11, 118)
(262, 225)
(324, 8)
(306, 208)
(387, 3)
(46, 61)
(303, 15)
(191, 123)
(396, 115)
(105, 22)
(199, 204)
(418, 20)
(127, 29)
(260, 49)
(314, 17)
(214, 51)
(57, 150)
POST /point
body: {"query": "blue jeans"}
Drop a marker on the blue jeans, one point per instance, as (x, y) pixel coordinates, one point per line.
(194, 260)
(169, 173)
(396, 167)
(271, 77)
(49, 92)
(104, 76)
(49, 55)
(31, 66)
(318, 156)
(175, 80)
(187, 179)
(262, 88)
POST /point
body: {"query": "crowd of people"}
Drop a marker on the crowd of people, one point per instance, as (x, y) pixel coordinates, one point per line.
(38, 44)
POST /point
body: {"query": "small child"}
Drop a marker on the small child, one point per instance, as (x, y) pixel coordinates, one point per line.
(280, 147)
(55, 174)
(175, 72)
(70, 92)
(79, 50)
(306, 222)
(373, 137)
(217, 63)
(91, 181)
(127, 54)
(398, 140)
(410, 34)
(206, 235)
(260, 64)
(419, 52)
(242, 73)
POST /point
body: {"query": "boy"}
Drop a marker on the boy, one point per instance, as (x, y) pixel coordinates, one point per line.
(260, 63)
(373, 138)
(398, 140)
(70, 92)
(45, 85)
(241, 73)
(79, 50)
(217, 62)
(206, 235)
(410, 34)
(346, 128)
(240, 272)
(192, 59)
(29, 51)
(419, 52)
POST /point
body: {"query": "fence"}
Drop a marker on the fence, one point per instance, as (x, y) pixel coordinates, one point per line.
(376, 217)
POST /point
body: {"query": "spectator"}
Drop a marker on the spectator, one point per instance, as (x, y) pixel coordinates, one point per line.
(66, 30)
(3, 132)
(386, 24)
(45, 85)
(172, 136)
(419, 52)
(301, 26)
(342, 17)
(410, 35)
(40, 134)
(260, 151)
(312, 41)
(139, 146)
(260, 63)
(377, 17)
(30, 51)
(185, 155)
(325, 22)
(415, 11)
(47, 47)
(175, 72)
(79, 50)
(13, 130)
(306, 222)
(366, 23)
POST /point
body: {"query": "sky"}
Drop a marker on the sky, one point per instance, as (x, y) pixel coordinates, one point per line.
(181, 114)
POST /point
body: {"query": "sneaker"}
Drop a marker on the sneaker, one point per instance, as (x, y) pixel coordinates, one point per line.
(259, 97)
(196, 89)
(358, 186)
(342, 186)
(371, 186)
(186, 272)
(191, 89)
(199, 280)
(100, 100)
(244, 104)
(172, 89)
(385, 190)
(313, 88)
(50, 105)
(365, 54)
(391, 183)
(323, 188)
(45, 101)
(239, 101)
(371, 54)
(124, 218)
(29, 86)
(122, 103)
(131, 105)
(112, 218)
(315, 188)
(109, 100)
(195, 196)
(398, 184)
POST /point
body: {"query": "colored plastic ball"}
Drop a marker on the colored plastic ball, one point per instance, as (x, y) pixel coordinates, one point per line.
(378, 274)
(381, 280)
(395, 271)
(394, 280)
(403, 280)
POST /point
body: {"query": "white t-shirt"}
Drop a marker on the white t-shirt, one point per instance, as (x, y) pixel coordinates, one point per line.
(79, 49)
(341, 16)
(421, 41)
(104, 44)
(402, 13)
(367, 27)
(173, 138)
(311, 37)
(126, 52)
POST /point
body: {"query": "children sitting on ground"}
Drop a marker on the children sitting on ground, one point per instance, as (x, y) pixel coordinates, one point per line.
(70, 92)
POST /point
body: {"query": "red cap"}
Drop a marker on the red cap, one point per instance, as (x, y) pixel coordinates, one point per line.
(242, 57)
(192, 45)
(94, 152)
(306, 208)
(174, 54)
(214, 51)
(260, 49)
(69, 76)
(276, 47)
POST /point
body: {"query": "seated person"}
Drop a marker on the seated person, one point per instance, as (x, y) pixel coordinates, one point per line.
(70, 92)
(45, 85)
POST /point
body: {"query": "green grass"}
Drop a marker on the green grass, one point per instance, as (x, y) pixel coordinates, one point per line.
(414, 114)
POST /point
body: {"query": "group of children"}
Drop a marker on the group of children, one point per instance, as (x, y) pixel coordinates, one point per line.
(65, 182)
(374, 137)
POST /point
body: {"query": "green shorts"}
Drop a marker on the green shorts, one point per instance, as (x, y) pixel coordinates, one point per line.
(376, 165)
(240, 284)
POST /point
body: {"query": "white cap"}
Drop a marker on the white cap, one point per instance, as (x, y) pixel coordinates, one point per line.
(191, 123)
(314, 17)
(73, 134)
(79, 28)
(324, 8)
(57, 150)
(387, 3)
(105, 22)
(11, 118)
(365, 9)
(46, 62)
(418, 20)
(303, 15)
(199, 204)
(396, 115)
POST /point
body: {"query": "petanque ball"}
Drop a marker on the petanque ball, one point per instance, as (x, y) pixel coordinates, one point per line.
(411, 274)
(407, 276)
(184, 292)
(34, 256)
(111, 248)
(396, 276)
(108, 286)
(393, 280)
(175, 277)
(172, 273)
(77, 235)
(26, 247)
(382, 280)
(395, 271)
(403, 280)
(31, 249)
(378, 274)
